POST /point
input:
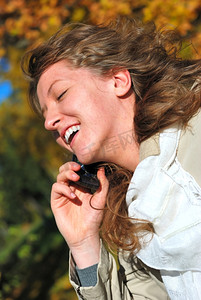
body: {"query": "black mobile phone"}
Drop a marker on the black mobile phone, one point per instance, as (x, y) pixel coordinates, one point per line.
(88, 178)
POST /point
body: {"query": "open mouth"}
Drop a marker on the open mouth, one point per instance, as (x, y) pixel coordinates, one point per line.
(71, 132)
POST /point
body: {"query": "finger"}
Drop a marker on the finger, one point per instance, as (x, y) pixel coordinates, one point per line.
(70, 165)
(100, 196)
(59, 190)
(104, 183)
(66, 176)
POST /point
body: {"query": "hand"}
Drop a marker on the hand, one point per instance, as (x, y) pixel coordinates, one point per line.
(76, 219)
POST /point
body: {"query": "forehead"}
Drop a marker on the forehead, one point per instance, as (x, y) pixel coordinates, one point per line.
(59, 70)
(64, 72)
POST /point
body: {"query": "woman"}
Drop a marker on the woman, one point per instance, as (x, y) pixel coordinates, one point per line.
(120, 94)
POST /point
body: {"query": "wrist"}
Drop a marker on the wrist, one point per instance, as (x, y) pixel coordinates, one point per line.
(86, 253)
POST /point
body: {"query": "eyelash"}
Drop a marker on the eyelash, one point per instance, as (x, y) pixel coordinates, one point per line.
(60, 96)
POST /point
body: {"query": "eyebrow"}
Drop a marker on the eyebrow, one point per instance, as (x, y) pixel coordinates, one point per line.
(50, 88)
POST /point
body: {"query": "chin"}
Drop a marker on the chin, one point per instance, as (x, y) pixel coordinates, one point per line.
(86, 158)
(88, 154)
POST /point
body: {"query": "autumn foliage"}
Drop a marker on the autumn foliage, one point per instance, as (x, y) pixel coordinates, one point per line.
(24, 22)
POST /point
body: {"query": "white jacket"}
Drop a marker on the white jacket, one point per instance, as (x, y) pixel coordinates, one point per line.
(169, 195)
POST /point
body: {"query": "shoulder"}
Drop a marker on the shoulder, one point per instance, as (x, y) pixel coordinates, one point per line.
(189, 148)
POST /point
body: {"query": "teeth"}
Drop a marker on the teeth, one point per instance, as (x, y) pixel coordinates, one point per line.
(70, 131)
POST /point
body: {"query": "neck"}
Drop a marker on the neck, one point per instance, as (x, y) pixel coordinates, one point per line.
(130, 158)
(127, 154)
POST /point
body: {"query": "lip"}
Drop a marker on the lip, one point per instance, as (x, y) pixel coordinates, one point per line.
(63, 132)
(72, 140)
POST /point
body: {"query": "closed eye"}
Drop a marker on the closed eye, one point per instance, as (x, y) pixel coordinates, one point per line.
(60, 96)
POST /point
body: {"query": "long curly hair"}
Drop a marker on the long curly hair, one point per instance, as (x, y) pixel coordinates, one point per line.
(167, 90)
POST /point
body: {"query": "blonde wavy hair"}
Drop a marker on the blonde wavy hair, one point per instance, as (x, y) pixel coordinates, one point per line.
(167, 90)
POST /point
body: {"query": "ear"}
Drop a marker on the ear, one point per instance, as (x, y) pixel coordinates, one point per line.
(122, 82)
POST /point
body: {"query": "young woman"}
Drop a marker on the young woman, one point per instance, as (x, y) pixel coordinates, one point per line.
(120, 94)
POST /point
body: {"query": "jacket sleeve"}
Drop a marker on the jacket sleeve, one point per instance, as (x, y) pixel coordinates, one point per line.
(130, 281)
(107, 287)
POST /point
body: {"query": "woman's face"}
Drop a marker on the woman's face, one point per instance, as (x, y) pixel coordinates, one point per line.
(85, 112)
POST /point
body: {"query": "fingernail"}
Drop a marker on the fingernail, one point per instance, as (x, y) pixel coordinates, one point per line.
(73, 195)
(75, 176)
(74, 165)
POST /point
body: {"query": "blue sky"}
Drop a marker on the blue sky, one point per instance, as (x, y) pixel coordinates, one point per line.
(5, 85)
(5, 90)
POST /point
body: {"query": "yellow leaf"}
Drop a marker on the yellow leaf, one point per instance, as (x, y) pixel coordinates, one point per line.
(78, 14)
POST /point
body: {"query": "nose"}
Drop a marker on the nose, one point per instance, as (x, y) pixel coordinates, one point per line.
(52, 120)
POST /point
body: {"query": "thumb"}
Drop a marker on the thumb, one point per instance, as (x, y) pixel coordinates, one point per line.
(99, 199)
(104, 183)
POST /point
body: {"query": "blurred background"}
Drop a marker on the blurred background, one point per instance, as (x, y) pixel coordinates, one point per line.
(33, 255)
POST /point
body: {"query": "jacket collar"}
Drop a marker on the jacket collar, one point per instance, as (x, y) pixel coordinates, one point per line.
(150, 147)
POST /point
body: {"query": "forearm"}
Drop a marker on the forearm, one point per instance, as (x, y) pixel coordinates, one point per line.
(87, 253)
